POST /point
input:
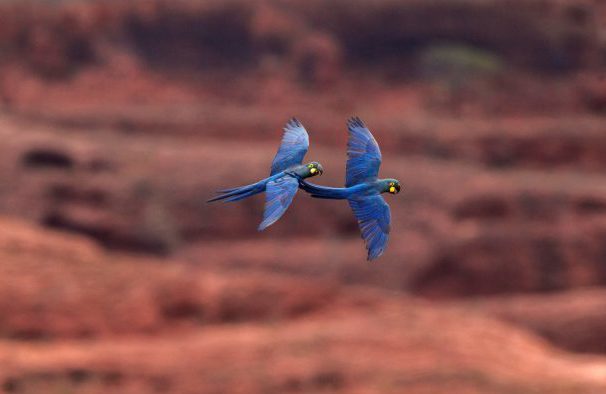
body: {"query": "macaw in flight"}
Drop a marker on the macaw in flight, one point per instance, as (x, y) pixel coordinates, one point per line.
(286, 172)
(363, 188)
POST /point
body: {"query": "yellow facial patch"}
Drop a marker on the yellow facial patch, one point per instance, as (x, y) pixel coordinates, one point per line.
(313, 170)
(392, 189)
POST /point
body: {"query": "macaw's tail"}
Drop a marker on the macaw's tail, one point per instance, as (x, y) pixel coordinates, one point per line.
(318, 191)
(239, 193)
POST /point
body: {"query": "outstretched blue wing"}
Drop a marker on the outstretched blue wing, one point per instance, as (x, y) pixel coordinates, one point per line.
(363, 154)
(278, 196)
(293, 148)
(374, 220)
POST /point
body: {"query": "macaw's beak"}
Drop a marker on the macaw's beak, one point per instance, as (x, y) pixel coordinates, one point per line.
(320, 169)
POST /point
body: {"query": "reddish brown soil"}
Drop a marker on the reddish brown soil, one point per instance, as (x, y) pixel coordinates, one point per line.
(75, 318)
(573, 320)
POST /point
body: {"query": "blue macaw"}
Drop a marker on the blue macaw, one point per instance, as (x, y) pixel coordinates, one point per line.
(363, 188)
(286, 172)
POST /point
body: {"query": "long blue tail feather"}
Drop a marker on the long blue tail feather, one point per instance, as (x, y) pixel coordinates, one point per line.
(229, 190)
(326, 197)
(238, 193)
(242, 196)
(317, 191)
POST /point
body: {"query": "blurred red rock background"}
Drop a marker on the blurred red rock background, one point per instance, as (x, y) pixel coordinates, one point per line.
(118, 119)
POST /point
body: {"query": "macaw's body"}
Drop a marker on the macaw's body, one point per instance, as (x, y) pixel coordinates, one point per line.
(286, 172)
(362, 188)
(371, 188)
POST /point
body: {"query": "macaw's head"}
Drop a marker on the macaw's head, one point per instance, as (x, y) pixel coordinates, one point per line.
(312, 169)
(391, 186)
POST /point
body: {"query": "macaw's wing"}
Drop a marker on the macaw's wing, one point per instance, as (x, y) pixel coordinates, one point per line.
(278, 196)
(363, 154)
(293, 148)
(374, 220)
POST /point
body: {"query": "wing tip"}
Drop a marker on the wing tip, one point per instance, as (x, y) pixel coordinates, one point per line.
(355, 121)
(293, 122)
(374, 254)
(266, 222)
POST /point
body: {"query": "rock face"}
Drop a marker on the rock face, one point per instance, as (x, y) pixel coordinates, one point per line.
(573, 319)
(60, 41)
(118, 120)
(59, 286)
(460, 229)
(79, 319)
